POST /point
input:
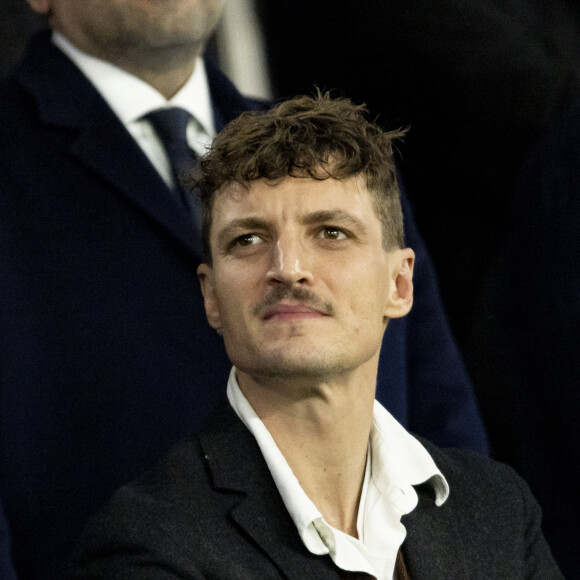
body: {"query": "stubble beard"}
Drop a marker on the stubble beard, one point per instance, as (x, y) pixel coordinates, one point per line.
(151, 42)
(295, 360)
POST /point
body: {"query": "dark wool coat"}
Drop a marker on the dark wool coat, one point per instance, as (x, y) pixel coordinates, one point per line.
(211, 510)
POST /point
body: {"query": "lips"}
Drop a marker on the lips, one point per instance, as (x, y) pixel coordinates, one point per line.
(281, 312)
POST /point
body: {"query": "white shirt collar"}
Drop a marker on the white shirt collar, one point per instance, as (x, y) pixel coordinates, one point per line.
(397, 462)
(131, 98)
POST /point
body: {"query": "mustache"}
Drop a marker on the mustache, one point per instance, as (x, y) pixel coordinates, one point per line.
(296, 294)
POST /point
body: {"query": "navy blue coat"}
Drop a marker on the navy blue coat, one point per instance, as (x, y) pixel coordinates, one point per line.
(106, 358)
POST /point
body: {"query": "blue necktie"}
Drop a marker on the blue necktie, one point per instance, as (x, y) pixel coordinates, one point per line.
(171, 127)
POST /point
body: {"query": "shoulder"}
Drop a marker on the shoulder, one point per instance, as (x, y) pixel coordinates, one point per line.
(172, 487)
(484, 492)
(191, 469)
(469, 473)
(178, 515)
(495, 518)
(195, 483)
(149, 523)
(171, 513)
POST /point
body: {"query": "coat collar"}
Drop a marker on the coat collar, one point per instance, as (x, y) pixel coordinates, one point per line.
(236, 465)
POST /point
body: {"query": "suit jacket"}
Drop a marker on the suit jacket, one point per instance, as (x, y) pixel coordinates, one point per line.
(106, 358)
(210, 509)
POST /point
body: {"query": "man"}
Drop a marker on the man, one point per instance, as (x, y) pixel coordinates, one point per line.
(301, 474)
(105, 352)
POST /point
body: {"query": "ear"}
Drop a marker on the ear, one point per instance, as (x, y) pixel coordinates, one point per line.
(206, 279)
(401, 292)
(41, 6)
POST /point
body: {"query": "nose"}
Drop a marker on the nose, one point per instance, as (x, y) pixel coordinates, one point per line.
(290, 262)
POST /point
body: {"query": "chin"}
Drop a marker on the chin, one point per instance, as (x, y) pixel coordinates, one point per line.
(299, 366)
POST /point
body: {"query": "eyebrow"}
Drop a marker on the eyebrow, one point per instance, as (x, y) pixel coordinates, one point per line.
(249, 223)
(337, 216)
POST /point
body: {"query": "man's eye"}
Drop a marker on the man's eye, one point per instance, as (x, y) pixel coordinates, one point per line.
(332, 233)
(247, 240)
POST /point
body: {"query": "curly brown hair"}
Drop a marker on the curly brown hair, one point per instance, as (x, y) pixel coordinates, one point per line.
(317, 137)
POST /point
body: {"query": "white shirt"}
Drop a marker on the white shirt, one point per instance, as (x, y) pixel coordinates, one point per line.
(397, 462)
(130, 98)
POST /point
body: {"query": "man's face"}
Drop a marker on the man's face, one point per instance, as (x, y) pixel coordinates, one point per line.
(301, 285)
(106, 27)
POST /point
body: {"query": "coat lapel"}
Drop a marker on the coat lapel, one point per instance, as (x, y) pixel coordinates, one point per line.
(111, 152)
(434, 548)
(66, 99)
(236, 464)
(431, 548)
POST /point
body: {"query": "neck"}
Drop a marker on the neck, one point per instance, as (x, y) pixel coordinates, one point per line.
(323, 433)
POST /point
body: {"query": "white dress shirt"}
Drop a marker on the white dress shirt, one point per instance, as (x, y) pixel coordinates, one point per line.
(130, 98)
(396, 461)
